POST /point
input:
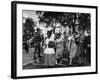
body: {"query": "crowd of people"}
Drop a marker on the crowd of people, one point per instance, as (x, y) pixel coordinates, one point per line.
(54, 46)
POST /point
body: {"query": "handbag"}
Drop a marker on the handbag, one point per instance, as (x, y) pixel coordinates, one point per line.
(51, 44)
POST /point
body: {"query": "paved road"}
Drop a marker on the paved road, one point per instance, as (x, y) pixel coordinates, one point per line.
(28, 62)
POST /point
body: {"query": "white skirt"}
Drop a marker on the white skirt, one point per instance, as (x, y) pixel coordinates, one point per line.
(49, 51)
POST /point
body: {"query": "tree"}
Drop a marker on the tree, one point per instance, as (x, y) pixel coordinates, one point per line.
(50, 17)
(28, 28)
(82, 20)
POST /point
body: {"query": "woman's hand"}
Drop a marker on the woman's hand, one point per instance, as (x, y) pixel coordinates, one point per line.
(44, 46)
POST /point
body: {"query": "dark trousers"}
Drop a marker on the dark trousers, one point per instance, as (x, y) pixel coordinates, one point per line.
(88, 55)
(37, 52)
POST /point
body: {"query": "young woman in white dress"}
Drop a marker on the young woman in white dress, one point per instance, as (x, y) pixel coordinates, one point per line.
(49, 53)
(59, 48)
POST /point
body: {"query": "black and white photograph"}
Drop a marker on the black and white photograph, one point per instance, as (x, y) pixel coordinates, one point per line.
(56, 39)
(53, 39)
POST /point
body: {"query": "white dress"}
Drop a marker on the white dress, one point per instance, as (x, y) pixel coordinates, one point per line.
(49, 50)
(49, 53)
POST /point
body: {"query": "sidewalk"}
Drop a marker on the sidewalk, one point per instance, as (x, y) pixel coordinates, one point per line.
(27, 58)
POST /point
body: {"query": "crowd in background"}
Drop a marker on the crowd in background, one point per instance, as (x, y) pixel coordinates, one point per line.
(55, 44)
